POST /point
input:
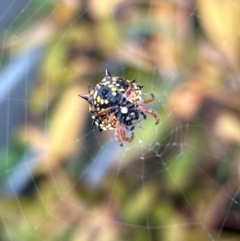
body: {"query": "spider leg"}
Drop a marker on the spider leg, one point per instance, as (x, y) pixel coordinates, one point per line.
(149, 111)
(131, 91)
(104, 111)
(124, 136)
(147, 100)
(131, 97)
(111, 120)
(128, 91)
(118, 133)
(144, 116)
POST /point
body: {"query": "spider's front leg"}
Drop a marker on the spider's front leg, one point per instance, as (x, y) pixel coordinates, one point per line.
(149, 111)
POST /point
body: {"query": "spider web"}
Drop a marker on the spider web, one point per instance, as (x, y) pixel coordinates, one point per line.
(63, 180)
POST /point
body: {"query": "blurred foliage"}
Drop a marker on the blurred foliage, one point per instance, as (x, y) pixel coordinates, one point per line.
(175, 181)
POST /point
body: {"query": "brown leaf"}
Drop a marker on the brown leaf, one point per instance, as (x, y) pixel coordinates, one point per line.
(227, 127)
(220, 20)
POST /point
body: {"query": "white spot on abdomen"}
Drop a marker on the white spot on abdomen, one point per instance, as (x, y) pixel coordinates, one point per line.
(124, 110)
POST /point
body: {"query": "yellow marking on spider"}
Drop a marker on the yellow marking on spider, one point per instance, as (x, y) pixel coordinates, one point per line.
(98, 99)
(106, 83)
(95, 95)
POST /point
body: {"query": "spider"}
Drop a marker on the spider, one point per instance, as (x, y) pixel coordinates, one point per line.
(115, 103)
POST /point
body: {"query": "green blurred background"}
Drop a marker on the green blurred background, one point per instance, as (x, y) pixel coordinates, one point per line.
(60, 179)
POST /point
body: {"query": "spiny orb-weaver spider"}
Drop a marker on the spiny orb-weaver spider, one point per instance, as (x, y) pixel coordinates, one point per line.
(115, 103)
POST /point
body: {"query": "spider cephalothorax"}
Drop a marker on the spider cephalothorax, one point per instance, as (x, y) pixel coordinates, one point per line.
(115, 103)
